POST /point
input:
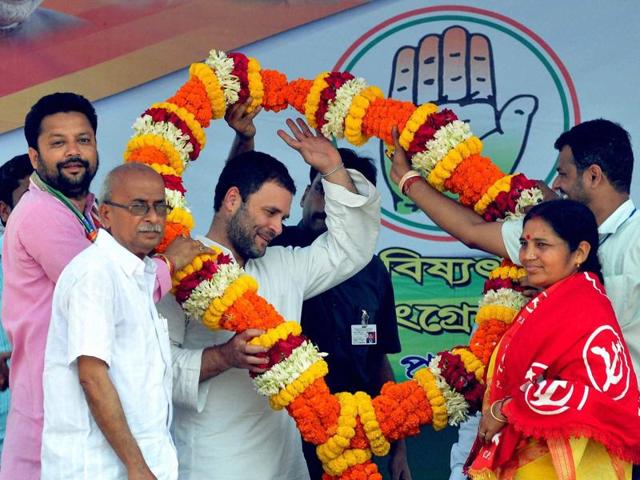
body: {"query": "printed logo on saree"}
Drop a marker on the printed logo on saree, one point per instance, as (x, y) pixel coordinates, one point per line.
(606, 362)
(551, 397)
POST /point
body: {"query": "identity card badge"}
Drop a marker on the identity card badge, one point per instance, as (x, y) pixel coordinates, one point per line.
(364, 334)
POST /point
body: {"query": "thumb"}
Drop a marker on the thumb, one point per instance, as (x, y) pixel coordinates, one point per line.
(251, 333)
(507, 142)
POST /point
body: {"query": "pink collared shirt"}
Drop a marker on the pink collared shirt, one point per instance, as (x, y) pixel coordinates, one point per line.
(41, 238)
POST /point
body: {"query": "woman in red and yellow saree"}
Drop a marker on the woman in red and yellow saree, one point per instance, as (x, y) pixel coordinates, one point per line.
(562, 400)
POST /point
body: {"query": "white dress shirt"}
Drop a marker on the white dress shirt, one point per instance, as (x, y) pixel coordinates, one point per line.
(223, 428)
(103, 307)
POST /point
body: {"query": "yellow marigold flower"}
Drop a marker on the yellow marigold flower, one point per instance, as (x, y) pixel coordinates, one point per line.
(379, 444)
(416, 120)
(501, 185)
(150, 140)
(353, 122)
(472, 364)
(187, 117)
(345, 430)
(275, 334)
(164, 169)
(347, 460)
(212, 87)
(513, 272)
(427, 381)
(497, 312)
(313, 99)
(183, 217)
(445, 167)
(288, 394)
(256, 87)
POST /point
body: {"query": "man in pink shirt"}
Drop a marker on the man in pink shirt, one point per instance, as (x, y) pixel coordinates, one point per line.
(55, 220)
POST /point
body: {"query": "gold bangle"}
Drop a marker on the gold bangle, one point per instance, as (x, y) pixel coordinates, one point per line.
(325, 175)
(495, 417)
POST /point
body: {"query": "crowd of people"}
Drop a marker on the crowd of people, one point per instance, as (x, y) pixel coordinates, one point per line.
(109, 378)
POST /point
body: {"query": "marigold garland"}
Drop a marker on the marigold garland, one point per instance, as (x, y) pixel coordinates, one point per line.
(212, 87)
(347, 428)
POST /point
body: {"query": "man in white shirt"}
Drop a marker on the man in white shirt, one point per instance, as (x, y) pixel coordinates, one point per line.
(223, 429)
(107, 373)
(595, 167)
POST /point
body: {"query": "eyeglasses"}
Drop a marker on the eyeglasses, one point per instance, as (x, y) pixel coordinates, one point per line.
(140, 209)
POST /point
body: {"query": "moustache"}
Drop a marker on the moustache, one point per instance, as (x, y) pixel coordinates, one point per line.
(73, 160)
(150, 227)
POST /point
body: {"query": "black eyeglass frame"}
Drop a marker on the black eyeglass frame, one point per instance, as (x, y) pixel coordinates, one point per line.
(161, 208)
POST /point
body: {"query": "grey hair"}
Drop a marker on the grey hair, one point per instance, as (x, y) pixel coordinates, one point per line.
(117, 175)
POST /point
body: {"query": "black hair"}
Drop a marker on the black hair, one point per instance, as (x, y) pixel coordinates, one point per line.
(351, 159)
(248, 172)
(573, 222)
(60, 102)
(11, 173)
(603, 143)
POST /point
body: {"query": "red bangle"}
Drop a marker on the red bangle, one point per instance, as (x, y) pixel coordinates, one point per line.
(408, 183)
(168, 262)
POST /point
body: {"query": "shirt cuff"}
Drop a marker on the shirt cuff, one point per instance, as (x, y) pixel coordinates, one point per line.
(511, 232)
(163, 280)
(366, 191)
(188, 391)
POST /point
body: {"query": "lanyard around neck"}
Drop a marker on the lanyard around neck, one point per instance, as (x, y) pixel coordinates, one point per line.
(606, 237)
(87, 223)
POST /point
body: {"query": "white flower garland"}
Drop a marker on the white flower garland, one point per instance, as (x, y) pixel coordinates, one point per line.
(455, 403)
(444, 140)
(288, 370)
(338, 108)
(505, 297)
(206, 291)
(528, 198)
(175, 199)
(145, 125)
(223, 66)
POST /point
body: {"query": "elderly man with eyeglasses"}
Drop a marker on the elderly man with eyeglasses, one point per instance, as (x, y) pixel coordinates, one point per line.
(107, 371)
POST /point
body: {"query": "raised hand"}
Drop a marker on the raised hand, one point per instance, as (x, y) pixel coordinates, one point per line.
(241, 121)
(400, 163)
(315, 149)
(455, 70)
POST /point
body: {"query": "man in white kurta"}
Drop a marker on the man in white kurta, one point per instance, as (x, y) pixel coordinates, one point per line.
(103, 312)
(223, 429)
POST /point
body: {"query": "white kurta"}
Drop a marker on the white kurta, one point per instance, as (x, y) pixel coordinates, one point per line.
(103, 307)
(619, 254)
(222, 428)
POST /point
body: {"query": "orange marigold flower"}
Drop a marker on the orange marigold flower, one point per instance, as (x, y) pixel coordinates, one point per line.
(275, 90)
(148, 155)
(250, 311)
(472, 178)
(171, 232)
(193, 97)
(485, 339)
(316, 412)
(384, 114)
(296, 93)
